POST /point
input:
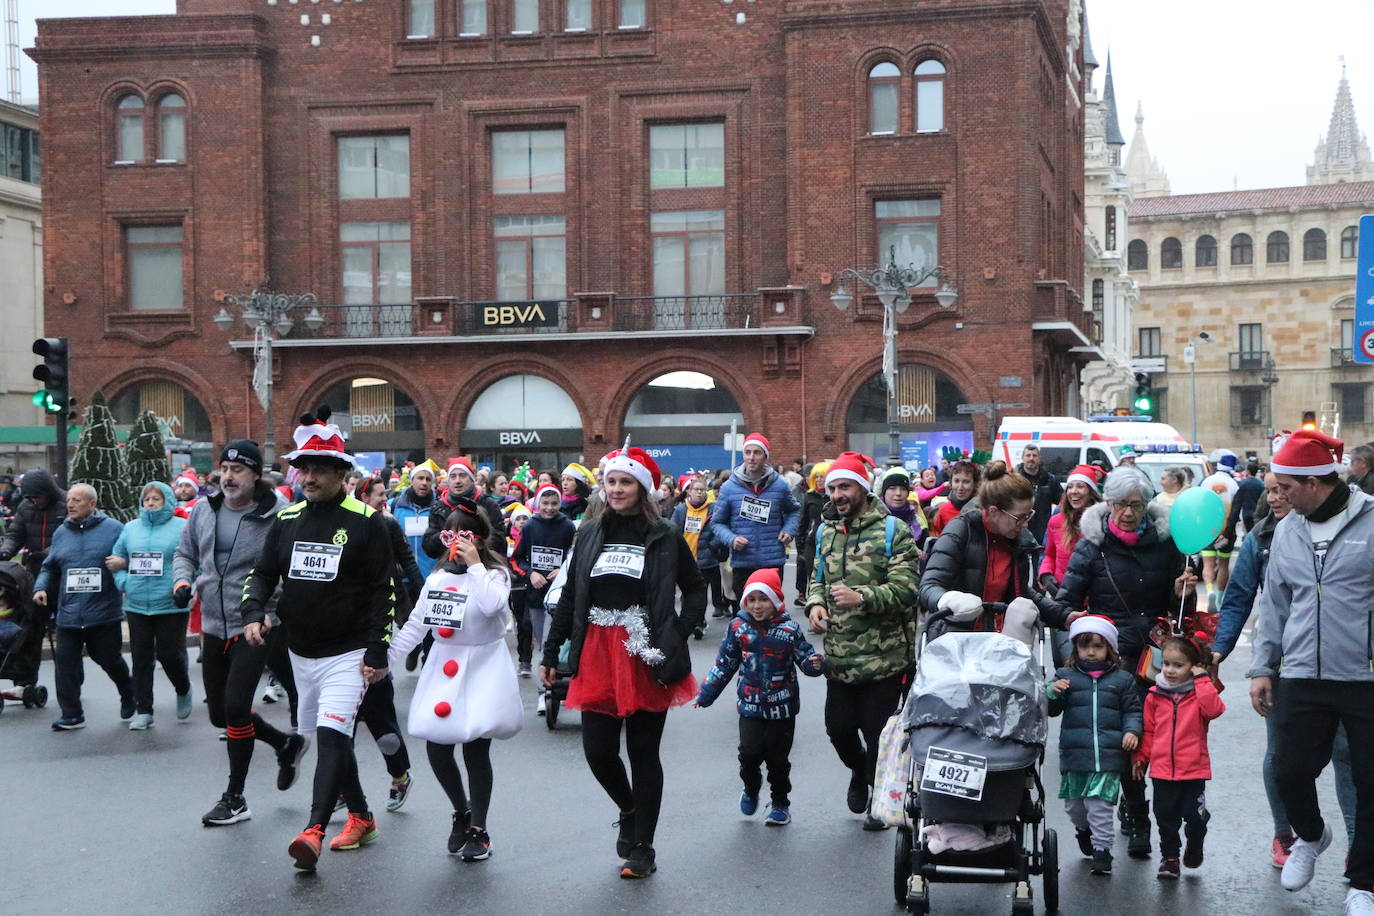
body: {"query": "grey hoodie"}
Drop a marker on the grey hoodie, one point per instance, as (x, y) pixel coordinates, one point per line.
(1319, 627)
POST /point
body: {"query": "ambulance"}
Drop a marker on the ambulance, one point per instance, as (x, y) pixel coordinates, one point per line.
(1067, 441)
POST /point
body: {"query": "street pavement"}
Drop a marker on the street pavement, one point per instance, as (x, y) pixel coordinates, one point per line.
(105, 820)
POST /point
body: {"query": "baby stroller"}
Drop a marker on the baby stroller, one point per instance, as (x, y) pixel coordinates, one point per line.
(554, 694)
(20, 660)
(977, 721)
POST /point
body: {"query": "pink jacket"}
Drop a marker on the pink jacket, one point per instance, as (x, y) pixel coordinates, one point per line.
(1056, 560)
(1175, 741)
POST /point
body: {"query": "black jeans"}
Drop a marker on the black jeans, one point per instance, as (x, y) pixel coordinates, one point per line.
(378, 713)
(601, 747)
(767, 741)
(717, 588)
(157, 638)
(103, 643)
(854, 718)
(1307, 714)
(1176, 804)
(806, 567)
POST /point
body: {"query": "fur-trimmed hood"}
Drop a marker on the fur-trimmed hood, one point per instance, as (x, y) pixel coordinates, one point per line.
(1093, 523)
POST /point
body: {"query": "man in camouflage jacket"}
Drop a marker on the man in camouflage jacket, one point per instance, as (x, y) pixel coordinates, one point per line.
(863, 597)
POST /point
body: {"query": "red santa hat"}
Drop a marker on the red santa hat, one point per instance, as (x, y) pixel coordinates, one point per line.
(767, 583)
(549, 488)
(465, 464)
(1090, 474)
(852, 466)
(318, 440)
(1095, 623)
(1308, 453)
(187, 476)
(635, 462)
(759, 440)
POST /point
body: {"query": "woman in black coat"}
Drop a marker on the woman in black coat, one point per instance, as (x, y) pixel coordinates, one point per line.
(1127, 568)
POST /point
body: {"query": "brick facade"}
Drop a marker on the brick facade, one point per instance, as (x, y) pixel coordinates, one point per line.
(257, 194)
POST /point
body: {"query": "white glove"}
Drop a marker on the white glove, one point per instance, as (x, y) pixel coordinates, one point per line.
(963, 606)
(1020, 620)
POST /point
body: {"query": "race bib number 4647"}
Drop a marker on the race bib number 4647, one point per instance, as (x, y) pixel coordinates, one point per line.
(620, 560)
(315, 562)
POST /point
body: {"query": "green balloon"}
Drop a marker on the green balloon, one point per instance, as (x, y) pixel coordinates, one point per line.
(1196, 519)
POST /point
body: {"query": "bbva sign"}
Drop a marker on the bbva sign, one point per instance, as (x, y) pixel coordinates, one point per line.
(519, 315)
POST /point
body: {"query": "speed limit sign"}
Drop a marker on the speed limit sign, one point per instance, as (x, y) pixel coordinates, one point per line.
(1367, 344)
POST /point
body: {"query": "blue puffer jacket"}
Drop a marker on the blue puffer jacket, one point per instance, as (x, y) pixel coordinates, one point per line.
(82, 545)
(765, 654)
(149, 543)
(414, 522)
(1098, 713)
(759, 512)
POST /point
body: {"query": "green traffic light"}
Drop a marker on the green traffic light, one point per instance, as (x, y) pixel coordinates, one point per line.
(41, 398)
(1142, 404)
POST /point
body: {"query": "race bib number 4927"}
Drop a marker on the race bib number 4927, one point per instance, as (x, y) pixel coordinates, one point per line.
(314, 562)
(620, 560)
(950, 772)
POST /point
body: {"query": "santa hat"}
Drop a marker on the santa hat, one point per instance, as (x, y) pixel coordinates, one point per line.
(635, 462)
(465, 464)
(1308, 453)
(851, 466)
(318, 440)
(578, 471)
(1090, 474)
(524, 491)
(1095, 623)
(767, 583)
(187, 476)
(759, 440)
(550, 488)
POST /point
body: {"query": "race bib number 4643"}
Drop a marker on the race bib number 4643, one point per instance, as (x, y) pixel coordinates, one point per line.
(444, 608)
(620, 560)
(315, 562)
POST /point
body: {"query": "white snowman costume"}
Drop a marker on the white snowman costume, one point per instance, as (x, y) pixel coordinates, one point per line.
(468, 688)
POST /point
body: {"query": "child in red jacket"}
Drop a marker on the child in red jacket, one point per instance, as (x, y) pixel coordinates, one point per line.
(1177, 710)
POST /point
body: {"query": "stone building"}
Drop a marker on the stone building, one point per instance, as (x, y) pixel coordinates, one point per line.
(525, 221)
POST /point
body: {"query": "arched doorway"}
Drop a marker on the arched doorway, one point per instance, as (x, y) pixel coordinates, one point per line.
(523, 418)
(682, 419)
(184, 423)
(928, 417)
(383, 424)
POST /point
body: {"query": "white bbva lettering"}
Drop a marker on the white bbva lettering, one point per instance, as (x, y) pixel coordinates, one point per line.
(512, 314)
(519, 438)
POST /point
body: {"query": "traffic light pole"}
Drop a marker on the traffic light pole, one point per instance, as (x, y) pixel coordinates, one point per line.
(60, 472)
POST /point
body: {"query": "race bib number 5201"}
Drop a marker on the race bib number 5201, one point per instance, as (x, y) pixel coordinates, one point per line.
(315, 562)
(620, 560)
(756, 510)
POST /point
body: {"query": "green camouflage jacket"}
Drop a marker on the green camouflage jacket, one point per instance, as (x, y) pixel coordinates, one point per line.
(876, 639)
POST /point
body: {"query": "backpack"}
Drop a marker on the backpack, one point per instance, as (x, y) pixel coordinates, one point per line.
(890, 524)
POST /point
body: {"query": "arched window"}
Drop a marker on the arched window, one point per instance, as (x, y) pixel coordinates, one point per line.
(171, 128)
(1137, 255)
(1314, 245)
(1205, 252)
(884, 80)
(1277, 248)
(1171, 254)
(930, 97)
(129, 129)
(1242, 249)
(1350, 242)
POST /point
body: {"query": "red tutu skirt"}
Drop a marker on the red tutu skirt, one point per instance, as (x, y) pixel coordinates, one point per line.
(613, 682)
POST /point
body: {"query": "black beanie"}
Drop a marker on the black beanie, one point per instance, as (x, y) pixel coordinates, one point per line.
(244, 452)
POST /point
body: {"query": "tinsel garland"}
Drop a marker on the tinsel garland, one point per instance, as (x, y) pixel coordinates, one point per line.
(632, 619)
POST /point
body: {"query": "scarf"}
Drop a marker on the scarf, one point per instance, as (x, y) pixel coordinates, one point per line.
(1094, 670)
(1332, 506)
(906, 512)
(1166, 687)
(1129, 538)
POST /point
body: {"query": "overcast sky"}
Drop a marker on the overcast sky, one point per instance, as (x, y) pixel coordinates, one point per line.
(1236, 92)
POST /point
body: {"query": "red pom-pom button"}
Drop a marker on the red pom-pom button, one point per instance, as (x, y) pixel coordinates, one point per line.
(442, 709)
(450, 667)
(446, 632)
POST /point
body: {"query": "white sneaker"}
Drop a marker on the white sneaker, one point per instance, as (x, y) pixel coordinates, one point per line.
(1302, 861)
(1359, 903)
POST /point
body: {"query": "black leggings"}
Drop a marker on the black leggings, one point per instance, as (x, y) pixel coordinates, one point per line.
(231, 673)
(712, 576)
(854, 718)
(336, 773)
(601, 746)
(477, 759)
(157, 638)
(378, 713)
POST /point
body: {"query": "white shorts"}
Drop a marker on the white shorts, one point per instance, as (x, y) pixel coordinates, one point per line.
(329, 691)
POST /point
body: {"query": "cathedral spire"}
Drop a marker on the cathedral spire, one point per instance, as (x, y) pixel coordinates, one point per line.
(1146, 177)
(1343, 154)
(1112, 123)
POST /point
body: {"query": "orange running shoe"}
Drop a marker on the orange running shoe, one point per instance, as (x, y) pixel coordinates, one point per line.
(305, 848)
(357, 831)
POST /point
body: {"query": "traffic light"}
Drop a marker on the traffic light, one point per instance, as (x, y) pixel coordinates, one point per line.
(53, 373)
(1144, 394)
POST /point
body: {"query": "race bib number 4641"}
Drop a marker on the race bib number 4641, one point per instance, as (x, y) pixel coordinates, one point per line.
(315, 562)
(620, 560)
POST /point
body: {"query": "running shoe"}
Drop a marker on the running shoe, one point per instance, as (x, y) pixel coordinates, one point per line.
(856, 797)
(1359, 903)
(748, 804)
(141, 722)
(1168, 869)
(1302, 861)
(477, 845)
(230, 809)
(357, 831)
(400, 791)
(305, 848)
(289, 760)
(873, 825)
(69, 723)
(526, 671)
(625, 839)
(184, 705)
(127, 708)
(1279, 849)
(1102, 862)
(778, 816)
(639, 863)
(462, 820)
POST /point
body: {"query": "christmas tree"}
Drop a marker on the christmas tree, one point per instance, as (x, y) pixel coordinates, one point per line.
(145, 454)
(99, 461)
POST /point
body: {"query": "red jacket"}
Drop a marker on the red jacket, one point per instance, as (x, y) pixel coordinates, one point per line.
(1056, 561)
(1175, 742)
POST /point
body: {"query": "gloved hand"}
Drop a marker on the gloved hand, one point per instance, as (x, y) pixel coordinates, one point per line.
(963, 606)
(181, 595)
(1020, 620)
(1049, 583)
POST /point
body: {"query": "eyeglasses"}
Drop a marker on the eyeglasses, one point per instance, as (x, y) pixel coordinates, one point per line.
(1019, 519)
(1133, 507)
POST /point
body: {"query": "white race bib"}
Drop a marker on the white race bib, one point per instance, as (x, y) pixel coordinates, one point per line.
(145, 564)
(84, 580)
(316, 562)
(693, 524)
(755, 510)
(416, 526)
(546, 558)
(620, 560)
(444, 608)
(954, 773)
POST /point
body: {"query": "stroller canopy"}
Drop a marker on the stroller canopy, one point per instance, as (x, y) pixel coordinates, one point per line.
(985, 685)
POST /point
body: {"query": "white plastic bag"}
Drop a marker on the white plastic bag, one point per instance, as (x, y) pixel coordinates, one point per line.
(888, 803)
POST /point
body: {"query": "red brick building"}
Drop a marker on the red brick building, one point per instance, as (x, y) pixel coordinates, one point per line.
(676, 184)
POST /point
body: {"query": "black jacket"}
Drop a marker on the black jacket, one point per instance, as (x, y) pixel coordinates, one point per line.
(438, 518)
(668, 567)
(1098, 713)
(1048, 492)
(1140, 586)
(408, 577)
(812, 503)
(32, 528)
(328, 611)
(959, 563)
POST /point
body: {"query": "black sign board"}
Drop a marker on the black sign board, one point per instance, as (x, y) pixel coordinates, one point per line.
(498, 315)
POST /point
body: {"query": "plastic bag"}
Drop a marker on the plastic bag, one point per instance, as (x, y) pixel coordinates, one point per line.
(890, 780)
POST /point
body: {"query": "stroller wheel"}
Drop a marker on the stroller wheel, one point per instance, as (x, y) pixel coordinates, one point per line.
(1050, 877)
(551, 704)
(901, 865)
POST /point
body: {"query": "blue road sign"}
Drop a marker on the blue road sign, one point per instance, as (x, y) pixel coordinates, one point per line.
(1362, 341)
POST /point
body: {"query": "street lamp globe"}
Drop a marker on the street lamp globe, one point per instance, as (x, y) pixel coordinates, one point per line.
(841, 298)
(314, 321)
(223, 320)
(946, 295)
(283, 324)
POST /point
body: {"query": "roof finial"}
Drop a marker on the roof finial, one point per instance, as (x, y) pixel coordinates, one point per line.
(1342, 66)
